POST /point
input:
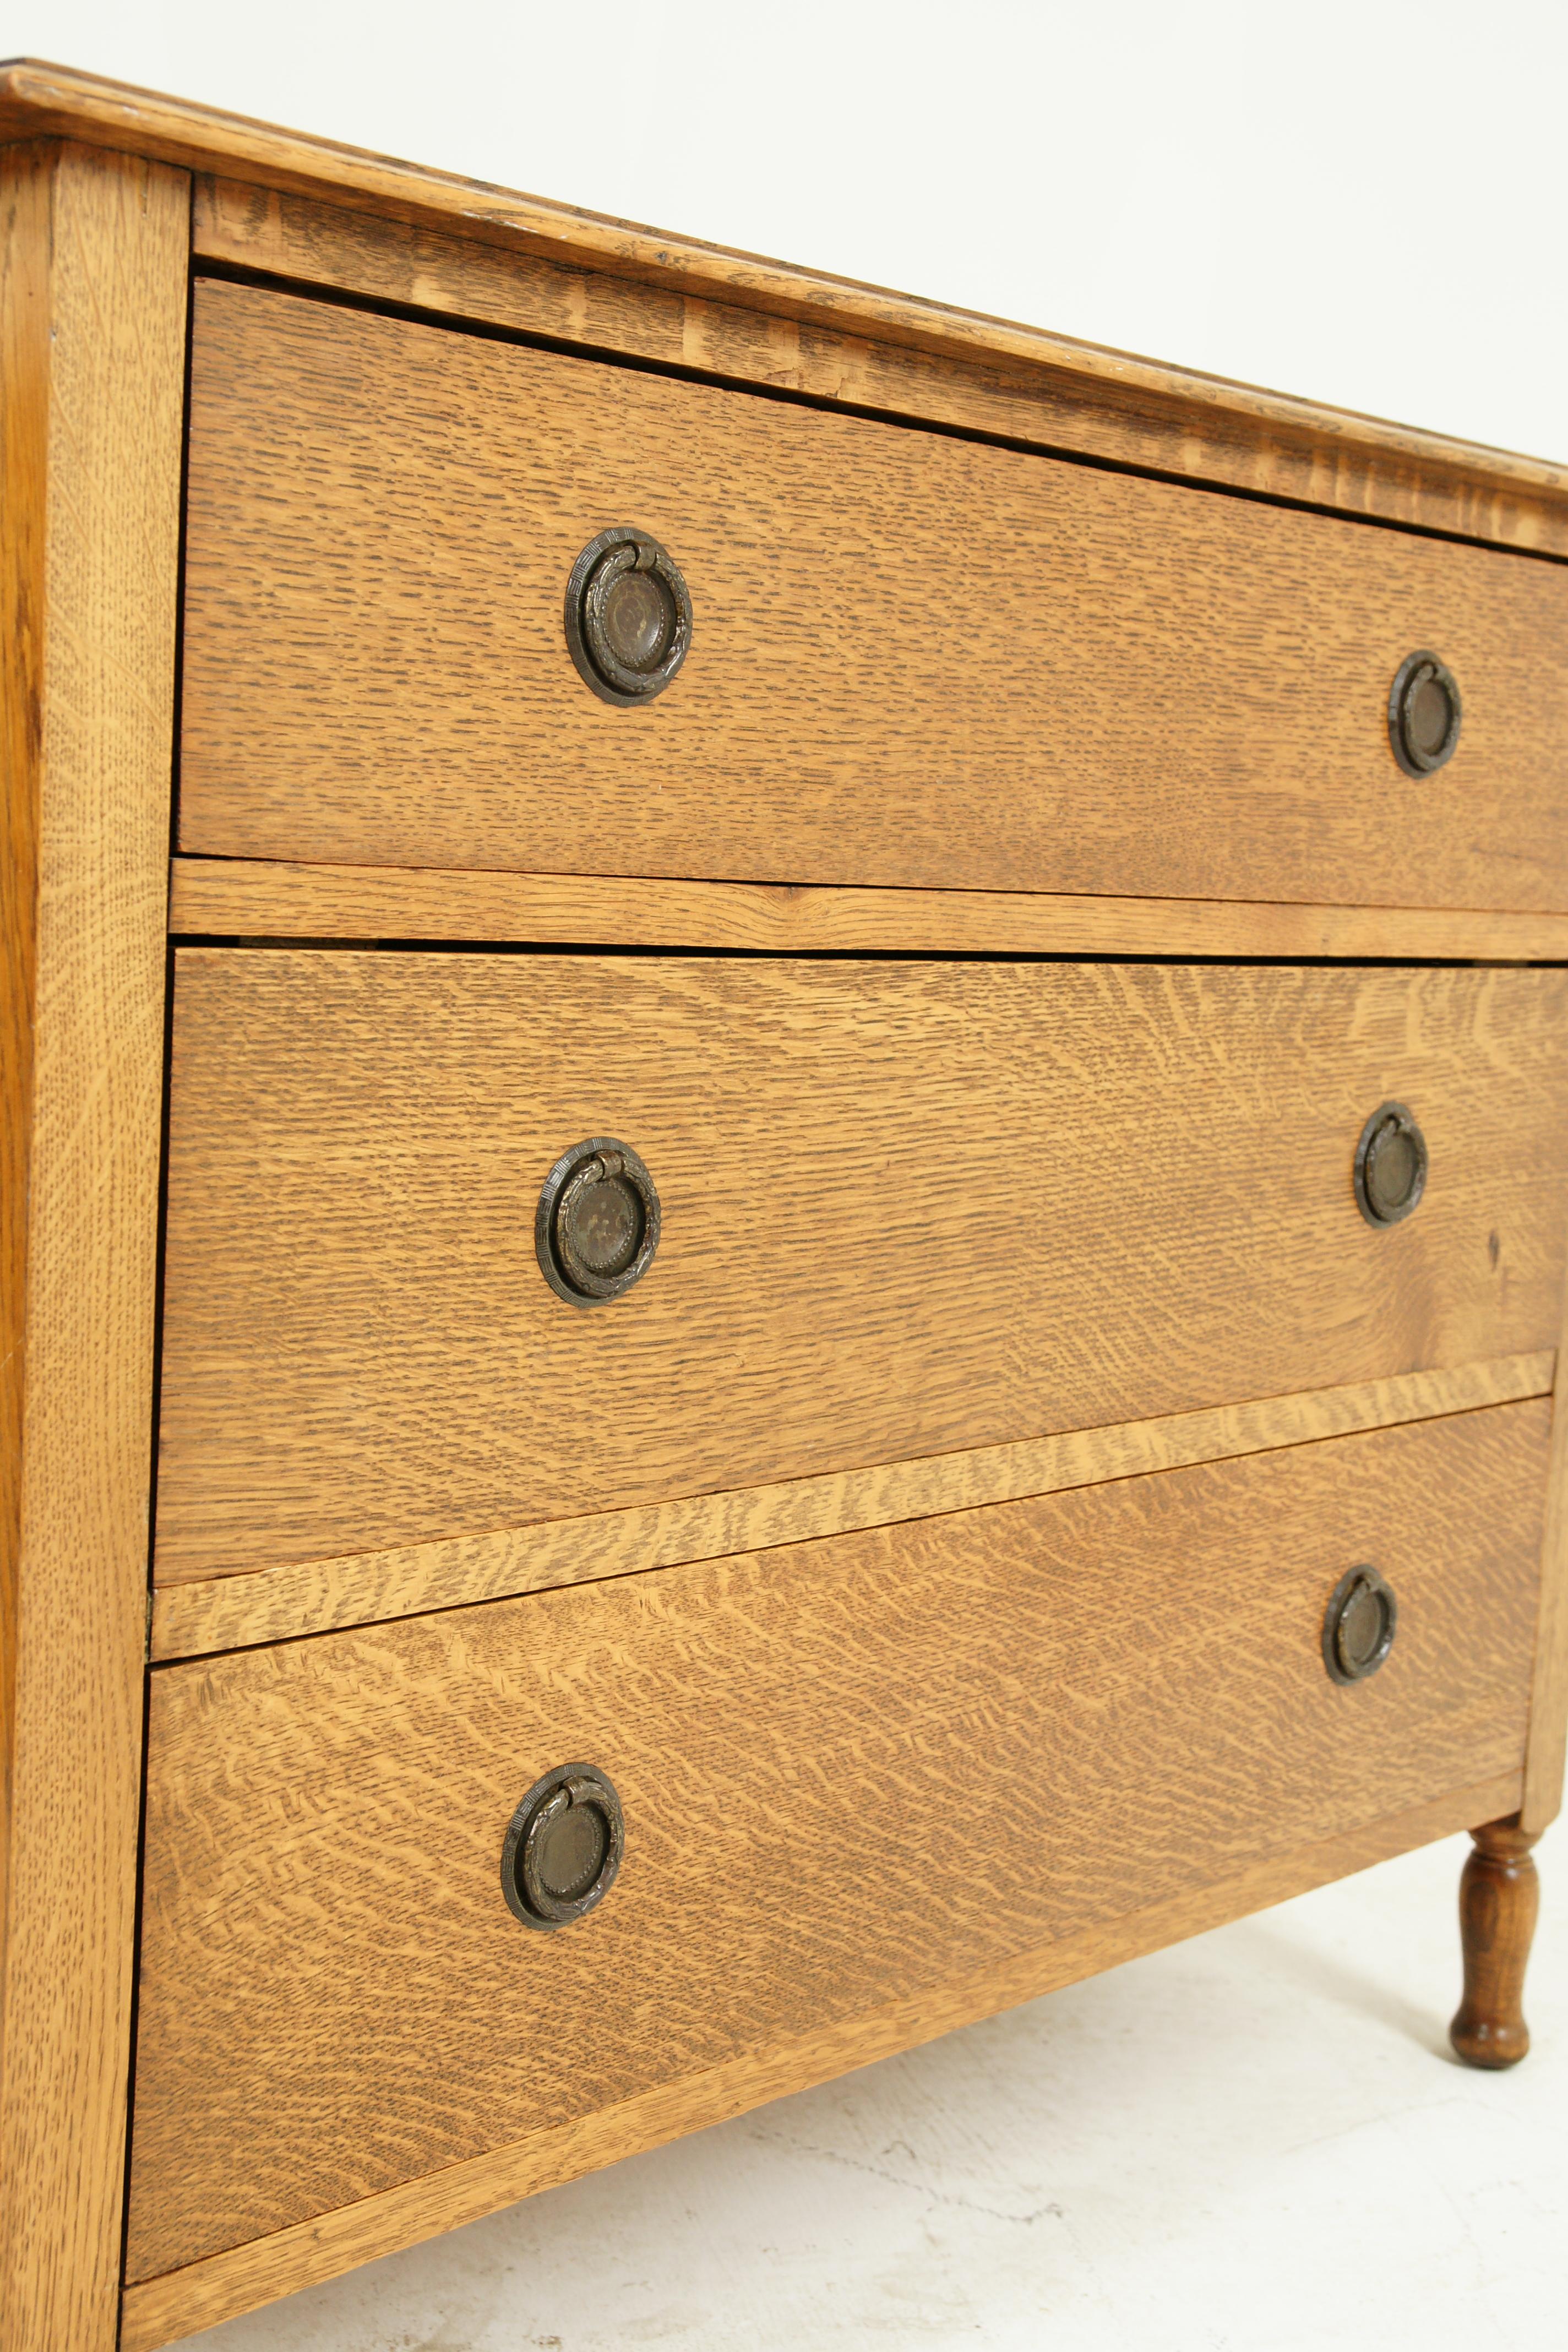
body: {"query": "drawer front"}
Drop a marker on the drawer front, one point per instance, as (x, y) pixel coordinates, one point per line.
(915, 660)
(851, 1771)
(907, 1208)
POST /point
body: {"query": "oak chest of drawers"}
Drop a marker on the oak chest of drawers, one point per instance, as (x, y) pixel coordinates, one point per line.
(785, 1188)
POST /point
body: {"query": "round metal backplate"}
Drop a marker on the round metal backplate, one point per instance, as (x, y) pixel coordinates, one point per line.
(1358, 1625)
(1423, 714)
(628, 616)
(563, 1847)
(597, 1223)
(1390, 1167)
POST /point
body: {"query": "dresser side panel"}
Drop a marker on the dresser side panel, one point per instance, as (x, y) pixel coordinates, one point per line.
(94, 298)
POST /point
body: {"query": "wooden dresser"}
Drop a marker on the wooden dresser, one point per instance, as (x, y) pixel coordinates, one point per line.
(785, 1185)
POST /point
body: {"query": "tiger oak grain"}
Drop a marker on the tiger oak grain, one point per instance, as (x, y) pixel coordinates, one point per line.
(92, 313)
(917, 659)
(253, 898)
(391, 230)
(232, 1612)
(850, 1769)
(935, 1546)
(908, 1208)
(202, 2293)
(863, 347)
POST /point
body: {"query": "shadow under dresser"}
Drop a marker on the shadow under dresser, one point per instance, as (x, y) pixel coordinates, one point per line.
(786, 1187)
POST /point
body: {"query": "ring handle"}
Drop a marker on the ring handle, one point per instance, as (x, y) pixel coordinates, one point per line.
(563, 1847)
(597, 1223)
(628, 616)
(1423, 714)
(1358, 1625)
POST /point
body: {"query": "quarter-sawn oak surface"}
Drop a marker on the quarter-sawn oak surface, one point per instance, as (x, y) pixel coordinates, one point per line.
(947, 697)
(850, 1768)
(1549, 1705)
(275, 1604)
(251, 898)
(916, 659)
(202, 2293)
(908, 1208)
(93, 251)
(911, 360)
(735, 312)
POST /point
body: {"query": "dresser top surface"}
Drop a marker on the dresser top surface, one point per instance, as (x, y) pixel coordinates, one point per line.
(42, 100)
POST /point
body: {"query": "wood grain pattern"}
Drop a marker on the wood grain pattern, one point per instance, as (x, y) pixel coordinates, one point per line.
(851, 1771)
(909, 1209)
(1499, 1897)
(92, 313)
(164, 2309)
(1107, 402)
(917, 660)
(228, 1612)
(913, 360)
(256, 898)
(93, 273)
(1543, 1769)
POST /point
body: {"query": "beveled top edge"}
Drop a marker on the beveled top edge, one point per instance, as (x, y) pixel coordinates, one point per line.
(39, 99)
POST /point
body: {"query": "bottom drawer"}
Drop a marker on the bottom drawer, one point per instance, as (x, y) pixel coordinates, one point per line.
(851, 1771)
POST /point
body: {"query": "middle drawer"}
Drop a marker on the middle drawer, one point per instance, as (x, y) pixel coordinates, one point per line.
(907, 1208)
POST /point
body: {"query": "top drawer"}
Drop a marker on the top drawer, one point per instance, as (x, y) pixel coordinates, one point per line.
(915, 660)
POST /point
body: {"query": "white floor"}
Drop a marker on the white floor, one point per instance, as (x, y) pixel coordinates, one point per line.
(1253, 2143)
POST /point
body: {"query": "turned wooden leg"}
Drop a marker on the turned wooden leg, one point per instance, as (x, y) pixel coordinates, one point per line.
(1499, 1898)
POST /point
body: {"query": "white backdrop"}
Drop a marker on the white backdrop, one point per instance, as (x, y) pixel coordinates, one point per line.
(1364, 201)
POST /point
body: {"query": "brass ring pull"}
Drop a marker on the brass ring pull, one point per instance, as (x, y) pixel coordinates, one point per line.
(563, 1847)
(1358, 1625)
(628, 616)
(597, 1223)
(1390, 1166)
(1423, 714)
